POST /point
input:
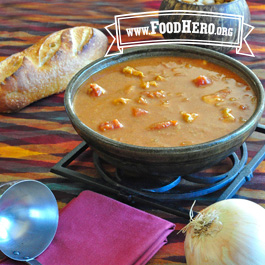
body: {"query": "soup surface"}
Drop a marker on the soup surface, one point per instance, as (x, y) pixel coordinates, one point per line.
(164, 102)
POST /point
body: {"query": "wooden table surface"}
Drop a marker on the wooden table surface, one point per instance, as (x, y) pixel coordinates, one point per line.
(36, 138)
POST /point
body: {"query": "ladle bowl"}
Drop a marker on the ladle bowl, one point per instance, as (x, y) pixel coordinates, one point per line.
(28, 219)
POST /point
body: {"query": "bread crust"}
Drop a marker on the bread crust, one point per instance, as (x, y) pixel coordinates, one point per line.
(47, 67)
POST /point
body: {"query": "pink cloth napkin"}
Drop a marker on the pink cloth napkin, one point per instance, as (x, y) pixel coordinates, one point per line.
(95, 229)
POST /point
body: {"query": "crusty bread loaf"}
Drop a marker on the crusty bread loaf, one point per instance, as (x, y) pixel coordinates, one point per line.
(46, 67)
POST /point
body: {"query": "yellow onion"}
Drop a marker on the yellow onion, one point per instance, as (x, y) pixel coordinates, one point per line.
(229, 232)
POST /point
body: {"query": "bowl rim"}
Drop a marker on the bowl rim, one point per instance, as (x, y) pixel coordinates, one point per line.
(211, 5)
(128, 53)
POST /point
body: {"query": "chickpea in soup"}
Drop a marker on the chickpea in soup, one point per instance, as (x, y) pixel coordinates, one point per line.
(164, 102)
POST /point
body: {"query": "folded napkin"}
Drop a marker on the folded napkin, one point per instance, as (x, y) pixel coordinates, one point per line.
(95, 229)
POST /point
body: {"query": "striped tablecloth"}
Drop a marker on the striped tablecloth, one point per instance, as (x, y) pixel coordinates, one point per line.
(36, 138)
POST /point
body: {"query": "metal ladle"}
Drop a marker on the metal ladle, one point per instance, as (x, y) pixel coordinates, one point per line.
(28, 219)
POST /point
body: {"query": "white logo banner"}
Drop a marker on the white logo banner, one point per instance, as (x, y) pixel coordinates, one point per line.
(207, 28)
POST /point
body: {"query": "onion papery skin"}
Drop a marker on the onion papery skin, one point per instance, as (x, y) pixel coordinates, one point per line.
(240, 239)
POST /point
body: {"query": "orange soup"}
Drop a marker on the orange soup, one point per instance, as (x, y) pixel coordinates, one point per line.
(164, 102)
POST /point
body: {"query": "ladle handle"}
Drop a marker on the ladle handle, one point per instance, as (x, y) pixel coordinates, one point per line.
(33, 262)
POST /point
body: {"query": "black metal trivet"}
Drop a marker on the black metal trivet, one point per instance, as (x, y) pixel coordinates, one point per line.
(166, 193)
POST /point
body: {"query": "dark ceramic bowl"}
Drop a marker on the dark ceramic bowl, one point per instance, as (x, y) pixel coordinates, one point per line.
(164, 161)
(236, 7)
